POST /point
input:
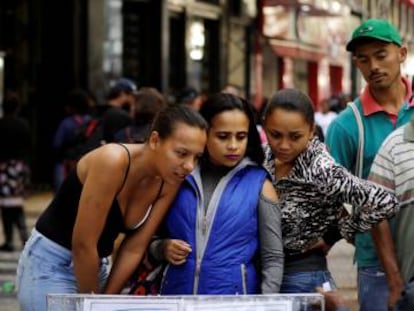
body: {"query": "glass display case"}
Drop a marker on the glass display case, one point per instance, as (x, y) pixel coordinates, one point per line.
(276, 302)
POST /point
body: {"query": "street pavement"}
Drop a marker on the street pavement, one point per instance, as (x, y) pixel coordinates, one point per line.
(34, 205)
(340, 260)
(340, 263)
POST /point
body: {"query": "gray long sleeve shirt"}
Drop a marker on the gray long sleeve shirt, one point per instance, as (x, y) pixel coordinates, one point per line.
(271, 245)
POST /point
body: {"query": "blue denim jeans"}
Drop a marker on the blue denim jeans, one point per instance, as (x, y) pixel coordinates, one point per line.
(44, 268)
(406, 303)
(305, 282)
(372, 289)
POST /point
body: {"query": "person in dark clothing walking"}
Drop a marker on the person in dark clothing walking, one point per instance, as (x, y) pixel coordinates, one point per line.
(77, 109)
(15, 140)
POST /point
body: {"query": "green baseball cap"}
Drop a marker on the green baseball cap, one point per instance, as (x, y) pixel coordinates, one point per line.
(379, 29)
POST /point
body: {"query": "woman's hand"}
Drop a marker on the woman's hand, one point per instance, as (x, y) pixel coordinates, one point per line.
(333, 299)
(176, 251)
(321, 245)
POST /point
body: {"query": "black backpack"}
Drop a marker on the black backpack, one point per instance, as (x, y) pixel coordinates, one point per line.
(87, 137)
(95, 133)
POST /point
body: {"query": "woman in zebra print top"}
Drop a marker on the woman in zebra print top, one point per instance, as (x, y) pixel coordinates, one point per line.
(313, 189)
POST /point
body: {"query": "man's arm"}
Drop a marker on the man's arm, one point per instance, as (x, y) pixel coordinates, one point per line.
(384, 246)
(382, 173)
(333, 300)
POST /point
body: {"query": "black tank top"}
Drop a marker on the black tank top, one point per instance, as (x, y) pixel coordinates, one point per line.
(58, 220)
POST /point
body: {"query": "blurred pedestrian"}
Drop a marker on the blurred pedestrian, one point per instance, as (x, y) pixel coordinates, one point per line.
(232, 89)
(77, 108)
(378, 52)
(122, 94)
(190, 96)
(313, 188)
(108, 120)
(212, 243)
(15, 140)
(148, 103)
(324, 115)
(121, 103)
(115, 188)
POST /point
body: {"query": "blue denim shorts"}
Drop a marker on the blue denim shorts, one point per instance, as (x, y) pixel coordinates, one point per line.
(44, 268)
(305, 282)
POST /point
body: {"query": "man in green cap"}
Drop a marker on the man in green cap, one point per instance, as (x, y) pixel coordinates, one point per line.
(383, 105)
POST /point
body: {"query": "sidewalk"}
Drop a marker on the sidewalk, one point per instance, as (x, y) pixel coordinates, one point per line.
(34, 205)
(340, 263)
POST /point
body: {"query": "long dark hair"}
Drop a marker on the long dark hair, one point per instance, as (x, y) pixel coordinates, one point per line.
(217, 103)
(291, 100)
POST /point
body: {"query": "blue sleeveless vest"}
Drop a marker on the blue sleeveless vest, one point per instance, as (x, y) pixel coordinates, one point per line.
(224, 241)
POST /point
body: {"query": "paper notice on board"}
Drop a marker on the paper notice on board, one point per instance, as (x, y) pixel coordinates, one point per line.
(130, 305)
(133, 304)
(277, 305)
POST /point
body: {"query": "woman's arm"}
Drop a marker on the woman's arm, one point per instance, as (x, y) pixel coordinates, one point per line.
(101, 173)
(371, 203)
(134, 246)
(271, 244)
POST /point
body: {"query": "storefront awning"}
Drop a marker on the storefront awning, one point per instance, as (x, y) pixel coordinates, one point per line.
(294, 49)
(309, 7)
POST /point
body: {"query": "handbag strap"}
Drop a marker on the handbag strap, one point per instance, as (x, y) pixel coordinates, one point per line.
(359, 164)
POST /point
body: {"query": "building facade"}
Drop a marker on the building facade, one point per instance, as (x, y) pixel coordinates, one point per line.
(49, 47)
(303, 44)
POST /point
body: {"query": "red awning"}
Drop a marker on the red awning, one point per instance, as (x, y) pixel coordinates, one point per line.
(409, 2)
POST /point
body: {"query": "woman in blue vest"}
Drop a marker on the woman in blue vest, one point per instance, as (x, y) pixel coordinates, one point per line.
(214, 224)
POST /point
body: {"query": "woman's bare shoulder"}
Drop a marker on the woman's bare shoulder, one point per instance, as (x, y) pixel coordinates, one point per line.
(108, 157)
(269, 191)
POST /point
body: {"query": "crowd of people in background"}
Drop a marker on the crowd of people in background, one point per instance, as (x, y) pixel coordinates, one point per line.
(224, 199)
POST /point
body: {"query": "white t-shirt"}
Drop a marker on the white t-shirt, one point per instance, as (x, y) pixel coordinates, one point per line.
(323, 120)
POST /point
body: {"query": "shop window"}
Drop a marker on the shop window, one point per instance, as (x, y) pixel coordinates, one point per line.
(335, 77)
(112, 55)
(177, 70)
(210, 61)
(235, 8)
